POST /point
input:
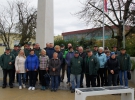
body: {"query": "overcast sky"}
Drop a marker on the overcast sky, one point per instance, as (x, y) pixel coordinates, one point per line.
(64, 15)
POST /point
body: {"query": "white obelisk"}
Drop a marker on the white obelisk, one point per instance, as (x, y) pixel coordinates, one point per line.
(45, 23)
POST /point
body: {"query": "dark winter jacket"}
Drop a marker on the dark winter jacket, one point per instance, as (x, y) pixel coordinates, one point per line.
(27, 52)
(15, 52)
(124, 61)
(60, 56)
(5, 59)
(37, 52)
(50, 52)
(54, 63)
(76, 65)
(113, 64)
(32, 62)
(68, 57)
(91, 65)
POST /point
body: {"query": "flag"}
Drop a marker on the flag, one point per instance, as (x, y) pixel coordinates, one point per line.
(105, 5)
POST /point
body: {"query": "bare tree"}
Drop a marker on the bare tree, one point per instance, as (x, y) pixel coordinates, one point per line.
(118, 10)
(18, 18)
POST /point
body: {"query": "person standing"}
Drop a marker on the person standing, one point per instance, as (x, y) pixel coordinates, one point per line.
(54, 68)
(15, 52)
(102, 70)
(91, 66)
(95, 50)
(69, 55)
(113, 69)
(63, 64)
(43, 68)
(31, 65)
(50, 51)
(125, 66)
(20, 68)
(76, 70)
(37, 51)
(82, 54)
(7, 64)
(115, 49)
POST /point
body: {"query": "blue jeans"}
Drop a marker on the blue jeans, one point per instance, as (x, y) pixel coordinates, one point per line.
(54, 81)
(21, 76)
(68, 73)
(75, 78)
(121, 74)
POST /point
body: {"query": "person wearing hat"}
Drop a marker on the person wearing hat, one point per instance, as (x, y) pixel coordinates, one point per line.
(34, 45)
(125, 66)
(77, 46)
(62, 49)
(82, 54)
(76, 69)
(15, 52)
(68, 57)
(7, 64)
(115, 49)
(27, 52)
(113, 69)
(95, 49)
(91, 66)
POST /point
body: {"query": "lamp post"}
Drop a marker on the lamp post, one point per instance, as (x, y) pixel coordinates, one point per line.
(123, 22)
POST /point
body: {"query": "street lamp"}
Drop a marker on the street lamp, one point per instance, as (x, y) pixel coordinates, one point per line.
(123, 22)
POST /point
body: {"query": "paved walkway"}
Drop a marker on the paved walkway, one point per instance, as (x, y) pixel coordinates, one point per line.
(24, 94)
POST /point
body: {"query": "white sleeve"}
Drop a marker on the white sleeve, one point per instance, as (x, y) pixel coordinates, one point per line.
(16, 63)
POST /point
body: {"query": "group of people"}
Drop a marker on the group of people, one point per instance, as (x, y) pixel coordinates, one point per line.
(100, 66)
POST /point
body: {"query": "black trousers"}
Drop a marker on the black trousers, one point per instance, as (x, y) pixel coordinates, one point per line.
(32, 78)
(90, 80)
(102, 75)
(5, 72)
(41, 75)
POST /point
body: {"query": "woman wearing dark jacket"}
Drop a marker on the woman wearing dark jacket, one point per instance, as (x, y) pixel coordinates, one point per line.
(54, 66)
(113, 69)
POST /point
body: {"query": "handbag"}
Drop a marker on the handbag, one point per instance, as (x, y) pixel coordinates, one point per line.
(128, 75)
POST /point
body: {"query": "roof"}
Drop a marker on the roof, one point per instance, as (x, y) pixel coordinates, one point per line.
(88, 30)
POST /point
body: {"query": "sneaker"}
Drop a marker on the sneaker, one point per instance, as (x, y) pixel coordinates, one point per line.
(23, 85)
(29, 88)
(52, 90)
(20, 87)
(33, 88)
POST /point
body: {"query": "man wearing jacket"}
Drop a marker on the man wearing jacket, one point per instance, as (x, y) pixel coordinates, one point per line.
(76, 69)
(7, 64)
(125, 66)
(91, 66)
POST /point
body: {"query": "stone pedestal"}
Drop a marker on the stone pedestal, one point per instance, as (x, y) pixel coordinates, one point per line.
(45, 23)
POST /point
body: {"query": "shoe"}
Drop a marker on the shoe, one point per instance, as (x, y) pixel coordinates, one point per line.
(43, 87)
(4, 86)
(29, 88)
(52, 90)
(11, 86)
(55, 90)
(33, 88)
(23, 85)
(20, 87)
(72, 91)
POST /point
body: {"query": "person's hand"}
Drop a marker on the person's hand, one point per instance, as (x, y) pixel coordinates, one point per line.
(53, 69)
(46, 69)
(35, 69)
(112, 71)
(10, 63)
(17, 71)
(27, 70)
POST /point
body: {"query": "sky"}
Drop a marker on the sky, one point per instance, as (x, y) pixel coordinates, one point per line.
(65, 19)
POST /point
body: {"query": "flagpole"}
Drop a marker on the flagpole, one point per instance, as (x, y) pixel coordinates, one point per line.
(103, 24)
